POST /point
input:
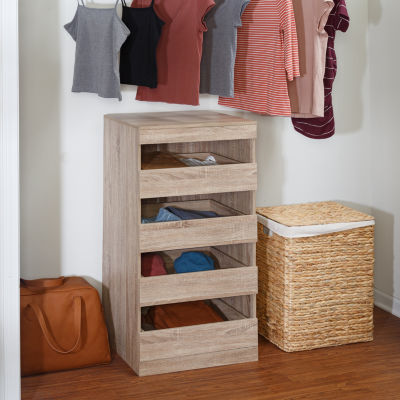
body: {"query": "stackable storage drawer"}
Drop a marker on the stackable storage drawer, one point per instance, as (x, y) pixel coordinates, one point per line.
(232, 227)
(136, 188)
(198, 346)
(230, 278)
(198, 233)
(198, 180)
(229, 175)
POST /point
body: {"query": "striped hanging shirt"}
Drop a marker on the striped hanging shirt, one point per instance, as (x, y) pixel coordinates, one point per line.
(324, 127)
(267, 54)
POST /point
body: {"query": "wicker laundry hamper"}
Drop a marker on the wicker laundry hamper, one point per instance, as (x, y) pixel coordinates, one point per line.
(315, 275)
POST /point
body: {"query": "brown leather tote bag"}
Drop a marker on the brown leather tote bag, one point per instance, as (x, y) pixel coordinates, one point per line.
(62, 326)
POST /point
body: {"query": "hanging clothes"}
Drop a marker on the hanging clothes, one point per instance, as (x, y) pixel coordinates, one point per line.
(99, 34)
(324, 127)
(138, 64)
(307, 91)
(267, 54)
(179, 52)
(219, 47)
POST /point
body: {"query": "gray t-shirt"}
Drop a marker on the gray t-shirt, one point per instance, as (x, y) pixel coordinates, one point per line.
(99, 34)
(219, 47)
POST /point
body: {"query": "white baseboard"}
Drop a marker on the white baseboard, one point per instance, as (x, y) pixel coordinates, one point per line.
(388, 303)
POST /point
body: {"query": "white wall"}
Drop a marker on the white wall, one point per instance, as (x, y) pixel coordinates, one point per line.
(9, 203)
(61, 138)
(384, 59)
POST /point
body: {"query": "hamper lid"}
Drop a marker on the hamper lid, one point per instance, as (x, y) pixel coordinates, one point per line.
(312, 219)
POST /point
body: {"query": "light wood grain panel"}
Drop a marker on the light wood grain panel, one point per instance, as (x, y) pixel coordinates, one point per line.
(198, 134)
(198, 233)
(198, 180)
(206, 360)
(198, 339)
(176, 288)
(121, 257)
(179, 120)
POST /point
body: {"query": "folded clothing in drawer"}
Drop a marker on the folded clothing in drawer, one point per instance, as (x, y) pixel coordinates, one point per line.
(195, 162)
(182, 314)
(163, 215)
(166, 214)
(153, 265)
(193, 261)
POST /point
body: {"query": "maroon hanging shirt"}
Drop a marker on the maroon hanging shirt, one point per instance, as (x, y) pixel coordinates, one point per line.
(324, 127)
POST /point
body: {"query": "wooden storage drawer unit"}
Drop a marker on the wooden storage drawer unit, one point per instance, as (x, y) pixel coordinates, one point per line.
(135, 187)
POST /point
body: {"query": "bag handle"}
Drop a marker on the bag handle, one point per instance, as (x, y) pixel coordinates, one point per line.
(77, 304)
(37, 284)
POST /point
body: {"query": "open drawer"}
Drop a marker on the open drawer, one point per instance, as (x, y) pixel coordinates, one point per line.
(229, 278)
(167, 176)
(232, 341)
(231, 227)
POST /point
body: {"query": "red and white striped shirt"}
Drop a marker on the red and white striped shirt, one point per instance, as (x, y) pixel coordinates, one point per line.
(267, 53)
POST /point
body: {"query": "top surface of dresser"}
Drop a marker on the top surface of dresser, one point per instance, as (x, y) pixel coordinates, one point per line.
(186, 126)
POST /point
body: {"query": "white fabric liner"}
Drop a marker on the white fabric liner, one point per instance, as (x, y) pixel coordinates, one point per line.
(310, 230)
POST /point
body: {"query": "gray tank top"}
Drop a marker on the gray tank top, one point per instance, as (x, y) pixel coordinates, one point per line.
(99, 34)
(219, 47)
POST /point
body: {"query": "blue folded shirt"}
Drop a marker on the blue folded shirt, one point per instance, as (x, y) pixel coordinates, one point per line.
(163, 216)
(193, 261)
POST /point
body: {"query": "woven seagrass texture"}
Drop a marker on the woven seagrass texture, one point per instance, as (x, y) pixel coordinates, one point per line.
(327, 212)
(316, 291)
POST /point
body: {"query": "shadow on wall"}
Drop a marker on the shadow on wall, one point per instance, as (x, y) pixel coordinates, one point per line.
(384, 248)
(374, 11)
(270, 162)
(40, 139)
(384, 255)
(349, 98)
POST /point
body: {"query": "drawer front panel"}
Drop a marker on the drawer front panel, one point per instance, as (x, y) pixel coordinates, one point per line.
(198, 339)
(197, 134)
(198, 233)
(204, 360)
(193, 286)
(198, 180)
